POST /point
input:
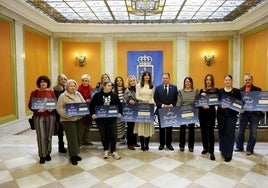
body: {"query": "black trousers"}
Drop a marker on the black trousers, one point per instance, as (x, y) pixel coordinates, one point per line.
(131, 137)
(108, 133)
(226, 126)
(165, 136)
(207, 133)
(191, 136)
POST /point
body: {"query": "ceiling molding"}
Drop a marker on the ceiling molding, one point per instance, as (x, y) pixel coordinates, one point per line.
(19, 7)
(255, 15)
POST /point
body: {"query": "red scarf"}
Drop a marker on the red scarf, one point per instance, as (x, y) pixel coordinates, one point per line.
(85, 91)
(247, 88)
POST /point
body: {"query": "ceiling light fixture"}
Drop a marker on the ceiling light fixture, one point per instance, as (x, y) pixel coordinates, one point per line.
(145, 7)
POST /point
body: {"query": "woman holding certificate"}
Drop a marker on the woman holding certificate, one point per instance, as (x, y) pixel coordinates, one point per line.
(130, 97)
(59, 88)
(119, 89)
(72, 125)
(145, 94)
(187, 96)
(107, 123)
(85, 89)
(44, 119)
(227, 119)
(207, 117)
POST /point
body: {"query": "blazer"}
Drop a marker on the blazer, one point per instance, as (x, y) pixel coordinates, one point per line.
(253, 88)
(161, 98)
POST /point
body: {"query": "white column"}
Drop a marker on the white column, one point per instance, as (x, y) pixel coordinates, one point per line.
(181, 59)
(54, 59)
(20, 69)
(109, 57)
(236, 61)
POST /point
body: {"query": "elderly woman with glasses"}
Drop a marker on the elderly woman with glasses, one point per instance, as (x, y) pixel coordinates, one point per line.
(72, 125)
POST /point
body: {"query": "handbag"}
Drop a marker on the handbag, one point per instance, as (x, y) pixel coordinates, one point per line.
(31, 120)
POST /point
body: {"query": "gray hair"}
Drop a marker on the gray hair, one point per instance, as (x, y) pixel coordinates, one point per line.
(71, 81)
(105, 83)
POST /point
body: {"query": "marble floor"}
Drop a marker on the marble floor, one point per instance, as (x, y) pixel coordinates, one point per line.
(19, 167)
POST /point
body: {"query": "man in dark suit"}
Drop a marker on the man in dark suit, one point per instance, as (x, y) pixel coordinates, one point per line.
(165, 96)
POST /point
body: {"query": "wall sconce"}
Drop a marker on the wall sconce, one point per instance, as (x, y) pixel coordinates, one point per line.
(81, 59)
(209, 58)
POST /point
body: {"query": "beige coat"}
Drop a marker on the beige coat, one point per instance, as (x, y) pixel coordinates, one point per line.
(68, 98)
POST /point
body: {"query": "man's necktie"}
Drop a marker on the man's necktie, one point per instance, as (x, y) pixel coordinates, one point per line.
(166, 90)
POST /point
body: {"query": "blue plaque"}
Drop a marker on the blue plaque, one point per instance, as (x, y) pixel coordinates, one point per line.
(187, 114)
(255, 100)
(140, 61)
(169, 117)
(43, 103)
(209, 99)
(106, 111)
(138, 112)
(75, 109)
(231, 102)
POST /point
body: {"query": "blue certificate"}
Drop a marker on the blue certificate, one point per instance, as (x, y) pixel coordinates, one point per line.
(209, 99)
(75, 109)
(94, 91)
(255, 100)
(106, 111)
(231, 102)
(169, 117)
(187, 114)
(138, 112)
(43, 103)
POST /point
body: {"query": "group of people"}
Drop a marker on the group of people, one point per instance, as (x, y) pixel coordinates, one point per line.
(166, 95)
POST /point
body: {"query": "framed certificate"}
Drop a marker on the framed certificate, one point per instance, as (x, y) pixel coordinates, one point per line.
(169, 117)
(209, 99)
(187, 114)
(75, 109)
(106, 111)
(255, 100)
(138, 112)
(231, 102)
(43, 103)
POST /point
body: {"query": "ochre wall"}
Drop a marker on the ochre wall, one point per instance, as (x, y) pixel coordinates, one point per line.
(37, 58)
(197, 66)
(93, 65)
(166, 46)
(255, 57)
(6, 76)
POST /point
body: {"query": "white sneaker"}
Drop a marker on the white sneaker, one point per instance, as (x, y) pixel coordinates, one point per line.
(106, 154)
(116, 155)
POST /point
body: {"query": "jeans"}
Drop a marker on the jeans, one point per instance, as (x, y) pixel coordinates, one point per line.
(253, 119)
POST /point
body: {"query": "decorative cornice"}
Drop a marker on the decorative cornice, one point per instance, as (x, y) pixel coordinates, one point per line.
(33, 15)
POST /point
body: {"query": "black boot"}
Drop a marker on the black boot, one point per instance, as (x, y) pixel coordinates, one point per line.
(147, 140)
(61, 147)
(74, 160)
(142, 143)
